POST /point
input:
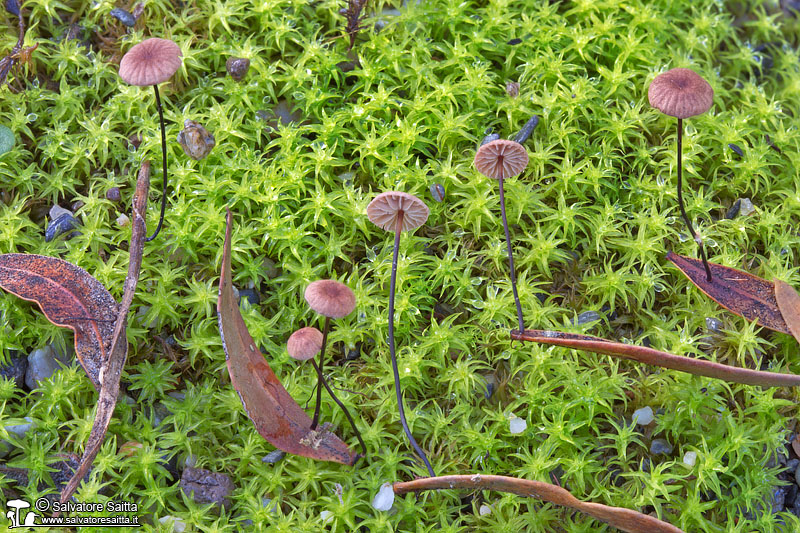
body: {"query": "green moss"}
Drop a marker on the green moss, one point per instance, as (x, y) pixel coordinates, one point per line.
(592, 219)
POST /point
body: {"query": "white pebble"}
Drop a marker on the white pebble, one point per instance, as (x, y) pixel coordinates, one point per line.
(484, 510)
(643, 416)
(178, 525)
(123, 220)
(690, 458)
(384, 499)
(517, 425)
(326, 516)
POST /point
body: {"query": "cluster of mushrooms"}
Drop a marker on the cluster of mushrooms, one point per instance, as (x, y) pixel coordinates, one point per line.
(680, 93)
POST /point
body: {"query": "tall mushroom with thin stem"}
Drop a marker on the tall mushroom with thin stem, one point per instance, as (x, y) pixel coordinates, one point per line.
(682, 93)
(398, 211)
(303, 345)
(331, 299)
(500, 159)
(151, 62)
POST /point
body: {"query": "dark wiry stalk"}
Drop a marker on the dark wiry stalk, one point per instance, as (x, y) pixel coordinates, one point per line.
(319, 368)
(164, 166)
(697, 239)
(510, 256)
(392, 285)
(341, 406)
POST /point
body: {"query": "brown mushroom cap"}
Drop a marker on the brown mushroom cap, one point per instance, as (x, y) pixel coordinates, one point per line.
(330, 298)
(304, 344)
(150, 62)
(501, 159)
(384, 209)
(680, 93)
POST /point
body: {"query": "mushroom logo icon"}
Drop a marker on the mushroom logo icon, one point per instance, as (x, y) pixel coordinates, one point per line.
(13, 516)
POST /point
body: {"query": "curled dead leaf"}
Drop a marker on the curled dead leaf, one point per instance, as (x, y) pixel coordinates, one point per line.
(275, 414)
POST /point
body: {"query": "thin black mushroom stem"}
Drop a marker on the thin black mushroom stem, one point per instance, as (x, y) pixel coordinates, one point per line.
(510, 258)
(320, 377)
(398, 391)
(696, 237)
(164, 166)
(340, 404)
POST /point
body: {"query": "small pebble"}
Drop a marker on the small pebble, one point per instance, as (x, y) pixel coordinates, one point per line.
(797, 475)
(269, 268)
(489, 138)
(12, 6)
(205, 486)
(437, 191)
(326, 516)
(18, 431)
(123, 220)
(587, 317)
(113, 194)
(660, 446)
(189, 461)
(41, 365)
(643, 416)
(514, 41)
(484, 510)
(250, 295)
(712, 324)
(61, 221)
(237, 67)
(273, 457)
(736, 149)
(512, 89)
(16, 367)
(517, 425)
(690, 458)
(178, 525)
(123, 16)
(384, 499)
(747, 208)
(196, 141)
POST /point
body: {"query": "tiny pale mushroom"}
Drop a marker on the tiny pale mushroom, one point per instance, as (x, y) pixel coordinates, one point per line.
(398, 211)
(151, 62)
(682, 93)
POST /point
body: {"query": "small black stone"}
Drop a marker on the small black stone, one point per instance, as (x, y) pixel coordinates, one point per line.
(250, 295)
(62, 224)
(123, 16)
(514, 41)
(16, 367)
(736, 149)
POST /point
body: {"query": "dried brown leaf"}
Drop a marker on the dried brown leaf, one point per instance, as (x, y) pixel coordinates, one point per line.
(275, 414)
(737, 291)
(653, 357)
(69, 297)
(789, 306)
(624, 519)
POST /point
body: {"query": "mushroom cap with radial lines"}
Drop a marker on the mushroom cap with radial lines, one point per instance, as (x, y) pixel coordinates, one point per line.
(150, 62)
(384, 209)
(680, 93)
(330, 298)
(501, 159)
(304, 343)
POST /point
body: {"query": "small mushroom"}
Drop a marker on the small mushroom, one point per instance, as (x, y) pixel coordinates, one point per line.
(398, 211)
(501, 159)
(682, 93)
(331, 299)
(151, 62)
(303, 345)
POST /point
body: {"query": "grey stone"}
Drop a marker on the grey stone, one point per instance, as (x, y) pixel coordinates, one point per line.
(250, 295)
(205, 486)
(18, 431)
(59, 226)
(123, 16)
(660, 446)
(16, 367)
(196, 141)
(712, 324)
(41, 365)
(273, 457)
(778, 499)
(643, 416)
(270, 270)
(587, 317)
